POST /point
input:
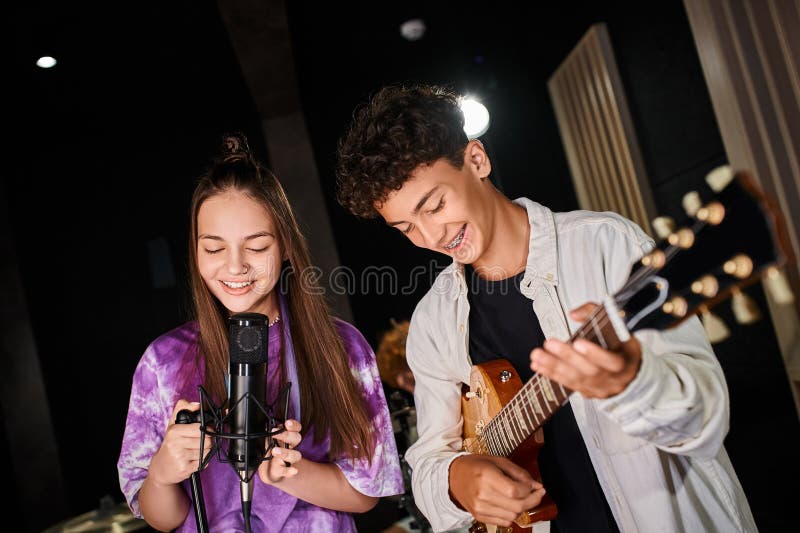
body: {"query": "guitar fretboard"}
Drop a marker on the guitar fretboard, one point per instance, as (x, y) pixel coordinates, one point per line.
(538, 399)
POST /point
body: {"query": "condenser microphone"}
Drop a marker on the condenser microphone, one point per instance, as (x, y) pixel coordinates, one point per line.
(248, 347)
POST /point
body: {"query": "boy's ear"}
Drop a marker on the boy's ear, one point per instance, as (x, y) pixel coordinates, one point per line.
(476, 157)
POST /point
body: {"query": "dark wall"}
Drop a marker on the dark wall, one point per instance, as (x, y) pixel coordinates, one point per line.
(106, 150)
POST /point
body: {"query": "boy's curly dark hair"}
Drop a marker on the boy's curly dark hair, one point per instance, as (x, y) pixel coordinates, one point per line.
(399, 129)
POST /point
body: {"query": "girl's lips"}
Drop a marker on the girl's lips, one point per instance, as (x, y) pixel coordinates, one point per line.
(237, 292)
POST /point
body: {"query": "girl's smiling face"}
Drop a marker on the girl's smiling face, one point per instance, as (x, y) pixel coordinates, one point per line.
(238, 253)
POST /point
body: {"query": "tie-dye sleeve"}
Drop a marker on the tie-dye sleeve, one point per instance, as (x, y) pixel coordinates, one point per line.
(143, 431)
(383, 476)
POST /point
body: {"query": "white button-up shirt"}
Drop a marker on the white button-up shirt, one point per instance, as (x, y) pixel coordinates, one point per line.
(657, 447)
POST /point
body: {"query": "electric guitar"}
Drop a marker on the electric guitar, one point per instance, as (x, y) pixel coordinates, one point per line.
(731, 241)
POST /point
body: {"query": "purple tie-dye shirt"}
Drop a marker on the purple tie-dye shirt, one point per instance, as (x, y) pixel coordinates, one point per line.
(167, 372)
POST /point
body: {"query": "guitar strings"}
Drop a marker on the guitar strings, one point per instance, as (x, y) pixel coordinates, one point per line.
(535, 386)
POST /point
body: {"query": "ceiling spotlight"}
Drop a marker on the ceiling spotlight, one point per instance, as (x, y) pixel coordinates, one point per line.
(413, 29)
(476, 118)
(46, 62)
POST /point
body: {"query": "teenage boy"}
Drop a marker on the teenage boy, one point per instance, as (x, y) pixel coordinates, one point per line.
(639, 446)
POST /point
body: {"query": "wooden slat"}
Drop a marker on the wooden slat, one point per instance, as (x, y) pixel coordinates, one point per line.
(602, 151)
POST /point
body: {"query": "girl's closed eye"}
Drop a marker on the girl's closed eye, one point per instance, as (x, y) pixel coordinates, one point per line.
(213, 251)
(258, 250)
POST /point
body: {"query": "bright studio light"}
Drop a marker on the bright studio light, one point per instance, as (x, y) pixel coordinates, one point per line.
(46, 62)
(476, 118)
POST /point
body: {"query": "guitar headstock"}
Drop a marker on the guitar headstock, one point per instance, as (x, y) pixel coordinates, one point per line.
(732, 240)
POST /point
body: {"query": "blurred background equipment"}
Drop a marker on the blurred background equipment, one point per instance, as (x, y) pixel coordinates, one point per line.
(110, 517)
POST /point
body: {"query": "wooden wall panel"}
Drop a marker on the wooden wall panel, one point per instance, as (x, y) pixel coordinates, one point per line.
(597, 131)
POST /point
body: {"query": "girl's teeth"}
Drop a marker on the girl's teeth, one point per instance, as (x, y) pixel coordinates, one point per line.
(238, 285)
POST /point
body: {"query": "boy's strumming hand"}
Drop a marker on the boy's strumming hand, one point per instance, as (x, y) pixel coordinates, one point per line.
(493, 489)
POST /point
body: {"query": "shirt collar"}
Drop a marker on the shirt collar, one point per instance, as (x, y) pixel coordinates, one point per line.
(542, 262)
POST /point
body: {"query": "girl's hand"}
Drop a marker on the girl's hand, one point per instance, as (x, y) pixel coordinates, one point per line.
(284, 459)
(179, 453)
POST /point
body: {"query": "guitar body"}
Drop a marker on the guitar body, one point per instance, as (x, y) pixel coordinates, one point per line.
(492, 385)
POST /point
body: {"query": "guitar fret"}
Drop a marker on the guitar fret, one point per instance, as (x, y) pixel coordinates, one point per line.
(513, 442)
(498, 445)
(509, 434)
(493, 441)
(548, 390)
(599, 333)
(564, 393)
(506, 436)
(498, 449)
(489, 441)
(528, 410)
(520, 418)
(516, 434)
(517, 423)
(503, 433)
(526, 406)
(537, 408)
(520, 429)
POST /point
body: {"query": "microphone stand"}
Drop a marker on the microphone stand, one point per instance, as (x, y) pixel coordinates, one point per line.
(185, 416)
(199, 503)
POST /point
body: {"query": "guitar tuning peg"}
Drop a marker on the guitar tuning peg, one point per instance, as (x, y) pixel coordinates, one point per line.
(712, 214)
(719, 178)
(707, 286)
(739, 266)
(663, 226)
(744, 308)
(715, 328)
(676, 307)
(692, 203)
(683, 238)
(778, 287)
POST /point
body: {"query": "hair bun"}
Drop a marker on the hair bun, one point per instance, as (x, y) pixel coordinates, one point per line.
(235, 147)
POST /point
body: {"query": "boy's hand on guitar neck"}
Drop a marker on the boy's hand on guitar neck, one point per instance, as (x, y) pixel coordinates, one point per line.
(493, 489)
(584, 366)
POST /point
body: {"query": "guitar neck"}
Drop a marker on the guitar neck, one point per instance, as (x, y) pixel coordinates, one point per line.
(539, 399)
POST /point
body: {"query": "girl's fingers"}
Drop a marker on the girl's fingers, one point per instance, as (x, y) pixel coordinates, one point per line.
(287, 455)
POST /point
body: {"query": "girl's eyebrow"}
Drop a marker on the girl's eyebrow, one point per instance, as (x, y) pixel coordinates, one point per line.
(249, 237)
(259, 234)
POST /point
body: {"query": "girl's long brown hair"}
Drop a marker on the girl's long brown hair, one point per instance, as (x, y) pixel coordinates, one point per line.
(330, 399)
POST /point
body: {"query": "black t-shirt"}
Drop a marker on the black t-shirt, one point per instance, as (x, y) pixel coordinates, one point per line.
(502, 324)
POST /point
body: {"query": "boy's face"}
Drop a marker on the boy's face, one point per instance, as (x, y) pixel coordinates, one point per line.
(444, 208)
